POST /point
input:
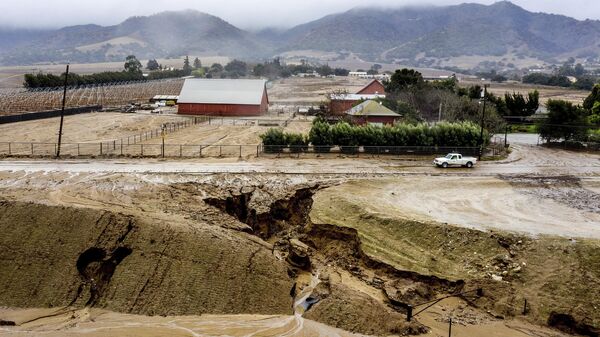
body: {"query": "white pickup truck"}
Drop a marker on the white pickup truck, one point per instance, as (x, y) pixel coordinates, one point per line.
(455, 159)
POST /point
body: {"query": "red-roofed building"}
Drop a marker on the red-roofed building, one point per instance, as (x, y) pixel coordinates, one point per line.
(373, 88)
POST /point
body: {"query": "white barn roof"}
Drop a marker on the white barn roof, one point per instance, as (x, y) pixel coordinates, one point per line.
(354, 97)
(222, 91)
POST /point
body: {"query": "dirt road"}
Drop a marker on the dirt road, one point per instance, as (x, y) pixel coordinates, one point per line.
(525, 159)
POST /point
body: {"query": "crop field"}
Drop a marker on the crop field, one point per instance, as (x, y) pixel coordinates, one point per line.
(546, 93)
(17, 101)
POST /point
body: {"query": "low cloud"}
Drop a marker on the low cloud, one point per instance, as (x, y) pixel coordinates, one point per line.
(245, 14)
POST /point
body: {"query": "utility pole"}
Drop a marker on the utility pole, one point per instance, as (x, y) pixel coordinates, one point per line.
(162, 135)
(62, 112)
(484, 98)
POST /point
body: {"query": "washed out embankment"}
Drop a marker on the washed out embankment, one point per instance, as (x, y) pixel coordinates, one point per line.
(59, 256)
(231, 258)
(558, 277)
(331, 250)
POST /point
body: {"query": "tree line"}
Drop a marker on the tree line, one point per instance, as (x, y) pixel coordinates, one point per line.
(424, 101)
(323, 136)
(132, 71)
(584, 80)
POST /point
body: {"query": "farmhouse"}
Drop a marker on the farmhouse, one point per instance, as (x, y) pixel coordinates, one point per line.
(340, 103)
(223, 97)
(373, 88)
(372, 112)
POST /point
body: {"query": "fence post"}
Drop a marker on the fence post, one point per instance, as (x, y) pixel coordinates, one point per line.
(121, 147)
(100, 148)
(199, 151)
(78, 150)
(257, 150)
(220, 150)
(240, 151)
(142, 149)
(32, 149)
(54, 147)
(180, 151)
(114, 144)
(9, 149)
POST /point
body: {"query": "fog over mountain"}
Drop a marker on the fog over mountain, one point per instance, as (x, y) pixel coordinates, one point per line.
(410, 35)
(257, 14)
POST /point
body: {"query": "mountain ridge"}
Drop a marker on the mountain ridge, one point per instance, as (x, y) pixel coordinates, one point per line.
(408, 35)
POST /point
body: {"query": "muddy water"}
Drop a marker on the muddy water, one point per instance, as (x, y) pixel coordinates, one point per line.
(96, 322)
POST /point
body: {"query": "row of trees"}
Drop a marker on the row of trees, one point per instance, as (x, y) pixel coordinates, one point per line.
(49, 80)
(323, 136)
(276, 68)
(560, 77)
(132, 71)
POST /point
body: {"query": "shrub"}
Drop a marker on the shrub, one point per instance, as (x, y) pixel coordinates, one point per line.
(320, 136)
(297, 142)
(273, 140)
(346, 136)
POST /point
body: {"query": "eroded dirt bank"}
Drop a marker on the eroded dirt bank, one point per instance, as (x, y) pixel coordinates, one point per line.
(55, 256)
(559, 277)
(259, 243)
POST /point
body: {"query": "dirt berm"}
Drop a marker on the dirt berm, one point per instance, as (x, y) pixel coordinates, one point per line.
(58, 256)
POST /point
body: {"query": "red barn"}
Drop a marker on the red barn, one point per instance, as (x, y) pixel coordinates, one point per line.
(223, 97)
(373, 88)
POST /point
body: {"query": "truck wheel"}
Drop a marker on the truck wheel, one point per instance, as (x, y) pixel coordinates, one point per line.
(469, 165)
(445, 165)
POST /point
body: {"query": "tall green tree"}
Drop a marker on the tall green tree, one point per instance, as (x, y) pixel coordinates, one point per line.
(519, 105)
(405, 79)
(592, 98)
(565, 121)
(152, 65)
(187, 68)
(132, 64)
(197, 63)
(237, 68)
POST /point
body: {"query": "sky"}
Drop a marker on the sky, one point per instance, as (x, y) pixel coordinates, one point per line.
(246, 14)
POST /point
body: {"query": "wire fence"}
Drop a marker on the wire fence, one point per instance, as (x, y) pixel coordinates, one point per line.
(494, 149)
(159, 150)
(119, 149)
